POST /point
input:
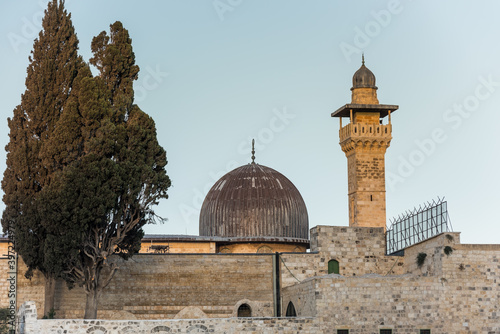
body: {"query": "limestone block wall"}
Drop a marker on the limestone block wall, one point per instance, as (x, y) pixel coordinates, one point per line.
(403, 303)
(359, 250)
(454, 293)
(464, 261)
(366, 179)
(4, 284)
(295, 268)
(473, 261)
(176, 280)
(303, 298)
(25, 289)
(364, 95)
(161, 286)
(4, 269)
(32, 325)
(434, 250)
(256, 247)
(29, 290)
(179, 247)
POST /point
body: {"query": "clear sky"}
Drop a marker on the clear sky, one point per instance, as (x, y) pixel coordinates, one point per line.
(215, 74)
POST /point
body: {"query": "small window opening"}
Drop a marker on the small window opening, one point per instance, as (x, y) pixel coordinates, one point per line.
(386, 331)
(244, 311)
(333, 267)
(342, 331)
(290, 310)
(371, 198)
(425, 331)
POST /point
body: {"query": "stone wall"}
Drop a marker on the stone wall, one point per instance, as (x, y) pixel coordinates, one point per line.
(158, 286)
(403, 303)
(295, 268)
(33, 290)
(359, 250)
(4, 269)
(178, 247)
(458, 292)
(462, 261)
(222, 326)
(303, 298)
(454, 293)
(433, 249)
(262, 247)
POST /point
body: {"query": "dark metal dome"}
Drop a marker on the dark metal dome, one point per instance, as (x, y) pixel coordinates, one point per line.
(254, 201)
(363, 78)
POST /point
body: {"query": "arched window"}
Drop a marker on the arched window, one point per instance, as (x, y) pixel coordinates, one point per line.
(244, 311)
(333, 267)
(290, 310)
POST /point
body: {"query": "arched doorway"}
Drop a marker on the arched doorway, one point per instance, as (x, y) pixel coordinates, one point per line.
(244, 311)
(333, 267)
(290, 310)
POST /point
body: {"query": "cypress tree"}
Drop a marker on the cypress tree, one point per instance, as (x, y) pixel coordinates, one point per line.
(104, 194)
(84, 166)
(53, 66)
(136, 160)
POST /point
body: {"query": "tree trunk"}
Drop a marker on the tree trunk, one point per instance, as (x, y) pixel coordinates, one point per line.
(91, 304)
(50, 288)
(95, 283)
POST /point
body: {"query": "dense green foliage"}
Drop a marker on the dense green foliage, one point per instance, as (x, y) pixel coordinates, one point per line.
(53, 67)
(84, 167)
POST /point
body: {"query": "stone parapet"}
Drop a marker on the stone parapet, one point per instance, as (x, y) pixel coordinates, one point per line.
(365, 130)
(31, 325)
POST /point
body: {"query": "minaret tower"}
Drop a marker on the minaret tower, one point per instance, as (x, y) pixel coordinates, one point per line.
(364, 141)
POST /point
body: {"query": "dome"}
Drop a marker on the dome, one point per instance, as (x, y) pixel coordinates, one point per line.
(254, 201)
(363, 78)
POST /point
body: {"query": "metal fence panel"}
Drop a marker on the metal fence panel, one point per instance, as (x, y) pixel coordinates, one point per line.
(418, 225)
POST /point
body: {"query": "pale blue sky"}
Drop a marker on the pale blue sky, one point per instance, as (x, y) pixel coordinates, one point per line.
(215, 74)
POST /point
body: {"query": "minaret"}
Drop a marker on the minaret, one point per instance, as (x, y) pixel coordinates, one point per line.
(364, 141)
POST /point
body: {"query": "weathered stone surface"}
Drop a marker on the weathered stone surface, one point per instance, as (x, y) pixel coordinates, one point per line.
(458, 292)
(223, 326)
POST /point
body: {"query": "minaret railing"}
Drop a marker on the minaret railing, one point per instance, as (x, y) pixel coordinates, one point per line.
(365, 130)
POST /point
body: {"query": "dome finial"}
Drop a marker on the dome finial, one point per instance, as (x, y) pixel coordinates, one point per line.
(363, 58)
(253, 151)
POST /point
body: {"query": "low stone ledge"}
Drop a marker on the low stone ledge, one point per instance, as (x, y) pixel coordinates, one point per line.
(31, 325)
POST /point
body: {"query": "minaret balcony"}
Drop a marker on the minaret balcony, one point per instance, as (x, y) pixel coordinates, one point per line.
(365, 130)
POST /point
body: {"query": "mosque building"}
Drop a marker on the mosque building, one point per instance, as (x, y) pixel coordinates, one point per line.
(251, 209)
(256, 267)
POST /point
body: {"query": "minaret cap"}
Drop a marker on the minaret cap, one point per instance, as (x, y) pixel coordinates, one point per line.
(363, 88)
(363, 77)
